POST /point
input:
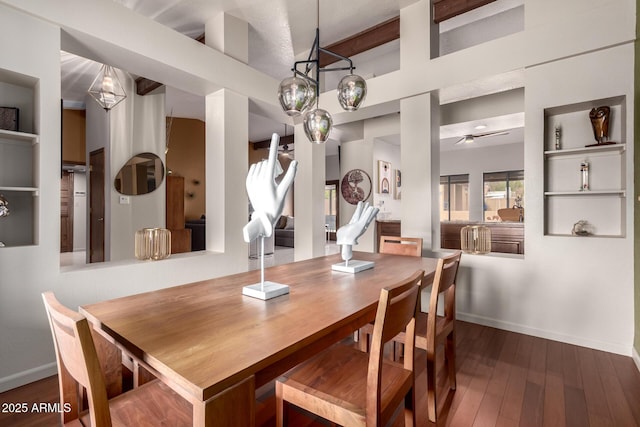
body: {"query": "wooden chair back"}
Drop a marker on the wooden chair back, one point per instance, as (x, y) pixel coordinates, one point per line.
(78, 363)
(397, 310)
(408, 246)
(444, 281)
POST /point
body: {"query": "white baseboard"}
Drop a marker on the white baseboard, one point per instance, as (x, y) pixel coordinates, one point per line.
(28, 376)
(550, 335)
(636, 358)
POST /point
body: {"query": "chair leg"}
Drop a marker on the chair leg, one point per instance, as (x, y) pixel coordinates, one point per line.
(432, 406)
(282, 407)
(450, 357)
(410, 408)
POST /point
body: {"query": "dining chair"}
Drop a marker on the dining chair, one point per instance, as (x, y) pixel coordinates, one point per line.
(407, 246)
(349, 387)
(410, 246)
(433, 330)
(151, 404)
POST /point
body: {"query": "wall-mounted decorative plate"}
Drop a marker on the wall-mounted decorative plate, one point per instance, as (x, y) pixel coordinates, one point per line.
(356, 186)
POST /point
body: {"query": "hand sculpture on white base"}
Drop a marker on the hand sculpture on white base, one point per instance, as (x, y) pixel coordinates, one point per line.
(267, 196)
(348, 234)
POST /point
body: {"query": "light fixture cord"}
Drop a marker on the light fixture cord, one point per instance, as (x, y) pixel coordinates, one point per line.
(318, 54)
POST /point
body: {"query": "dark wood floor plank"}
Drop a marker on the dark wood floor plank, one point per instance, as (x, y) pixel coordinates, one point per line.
(538, 362)
(594, 393)
(504, 379)
(575, 405)
(514, 395)
(554, 357)
(487, 415)
(498, 383)
(532, 405)
(554, 407)
(629, 377)
(572, 375)
(618, 405)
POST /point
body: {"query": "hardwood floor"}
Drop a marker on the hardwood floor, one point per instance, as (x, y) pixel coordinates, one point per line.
(504, 379)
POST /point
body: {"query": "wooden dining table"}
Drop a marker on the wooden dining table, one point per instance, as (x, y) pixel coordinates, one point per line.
(214, 346)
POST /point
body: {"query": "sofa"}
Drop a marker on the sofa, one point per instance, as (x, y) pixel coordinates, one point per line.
(284, 231)
(198, 233)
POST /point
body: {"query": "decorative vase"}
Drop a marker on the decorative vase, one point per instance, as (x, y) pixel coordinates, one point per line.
(153, 244)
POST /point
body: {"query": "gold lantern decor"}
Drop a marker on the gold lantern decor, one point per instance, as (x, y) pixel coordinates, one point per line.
(475, 239)
(153, 243)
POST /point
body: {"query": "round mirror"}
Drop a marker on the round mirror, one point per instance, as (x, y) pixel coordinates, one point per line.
(142, 174)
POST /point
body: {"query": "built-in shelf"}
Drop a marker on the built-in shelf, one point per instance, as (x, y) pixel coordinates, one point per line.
(19, 151)
(25, 189)
(603, 206)
(586, 150)
(620, 193)
(10, 135)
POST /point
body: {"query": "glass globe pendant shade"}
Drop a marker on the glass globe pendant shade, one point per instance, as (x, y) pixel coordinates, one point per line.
(293, 94)
(106, 88)
(352, 90)
(317, 125)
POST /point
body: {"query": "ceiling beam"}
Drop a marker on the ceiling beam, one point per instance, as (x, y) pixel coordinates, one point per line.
(375, 36)
(445, 9)
(144, 86)
(284, 140)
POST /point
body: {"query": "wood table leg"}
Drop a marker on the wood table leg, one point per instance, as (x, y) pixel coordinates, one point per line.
(234, 407)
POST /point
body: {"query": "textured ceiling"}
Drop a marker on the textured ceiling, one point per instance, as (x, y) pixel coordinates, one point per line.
(280, 30)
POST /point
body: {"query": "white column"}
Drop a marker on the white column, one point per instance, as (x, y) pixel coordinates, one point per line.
(228, 35)
(309, 197)
(420, 157)
(227, 136)
(419, 36)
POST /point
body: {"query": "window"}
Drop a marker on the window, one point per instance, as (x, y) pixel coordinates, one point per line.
(502, 190)
(454, 198)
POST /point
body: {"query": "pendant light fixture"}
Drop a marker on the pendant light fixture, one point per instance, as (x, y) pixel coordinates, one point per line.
(297, 94)
(106, 88)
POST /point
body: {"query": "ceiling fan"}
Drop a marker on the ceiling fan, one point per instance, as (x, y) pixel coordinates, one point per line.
(468, 139)
(284, 149)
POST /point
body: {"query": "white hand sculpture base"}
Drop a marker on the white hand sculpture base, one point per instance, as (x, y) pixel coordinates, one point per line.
(264, 290)
(353, 266)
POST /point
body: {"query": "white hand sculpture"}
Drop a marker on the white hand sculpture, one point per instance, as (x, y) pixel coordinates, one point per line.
(266, 196)
(348, 234)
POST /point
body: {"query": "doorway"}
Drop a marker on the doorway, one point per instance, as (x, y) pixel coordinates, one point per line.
(66, 212)
(331, 208)
(96, 206)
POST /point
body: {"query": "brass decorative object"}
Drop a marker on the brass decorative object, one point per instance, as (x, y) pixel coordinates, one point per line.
(600, 123)
(475, 239)
(153, 244)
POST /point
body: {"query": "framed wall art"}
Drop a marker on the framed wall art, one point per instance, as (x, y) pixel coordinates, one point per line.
(384, 177)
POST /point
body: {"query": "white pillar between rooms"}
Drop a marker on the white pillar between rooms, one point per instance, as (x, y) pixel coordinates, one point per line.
(309, 185)
(419, 131)
(227, 136)
(420, 158)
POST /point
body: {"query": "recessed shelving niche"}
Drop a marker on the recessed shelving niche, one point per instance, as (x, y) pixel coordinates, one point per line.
(603, 205)
(19, 151)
